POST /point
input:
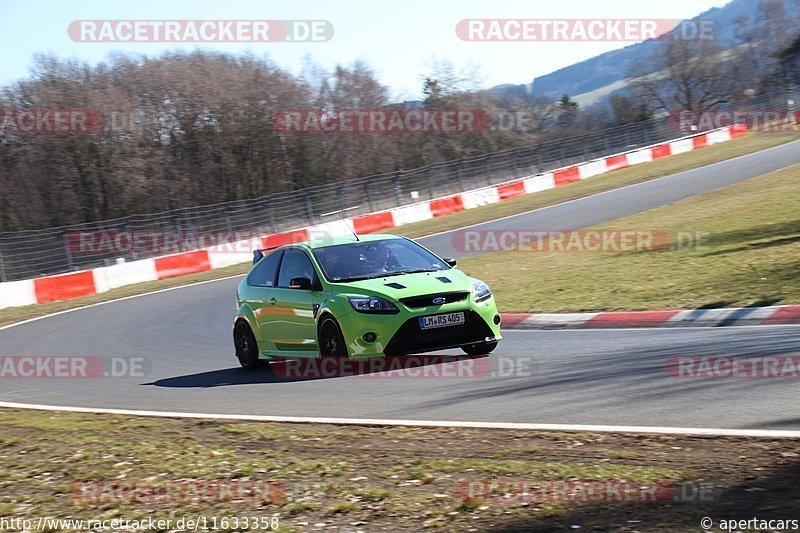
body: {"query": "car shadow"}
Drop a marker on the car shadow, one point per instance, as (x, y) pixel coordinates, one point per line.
(325, 368)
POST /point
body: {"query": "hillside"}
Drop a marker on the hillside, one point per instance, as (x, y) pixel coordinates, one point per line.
(609, 69)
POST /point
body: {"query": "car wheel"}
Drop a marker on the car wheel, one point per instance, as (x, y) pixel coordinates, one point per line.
(482, 348)
(246, 346)
(331, 340)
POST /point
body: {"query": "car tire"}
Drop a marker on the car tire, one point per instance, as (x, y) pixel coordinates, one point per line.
(482, 348)
(330, 338)
(246, 346)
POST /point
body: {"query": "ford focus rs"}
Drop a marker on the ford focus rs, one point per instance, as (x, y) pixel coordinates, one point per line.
(359, 297)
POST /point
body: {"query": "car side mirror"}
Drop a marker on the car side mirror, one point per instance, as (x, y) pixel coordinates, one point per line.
(257, 255)
(303, 284)
(450, 261)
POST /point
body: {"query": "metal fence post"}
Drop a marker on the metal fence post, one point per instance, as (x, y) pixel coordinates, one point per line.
(460, 174)
(67, 252)
(134, 254)
(430, 181)
(2, 266)
(343, 201)
(271, 217)
(369, 196)
(309, 208)
(397, 193)
(228, 226)
(488, 171)
(514, 164)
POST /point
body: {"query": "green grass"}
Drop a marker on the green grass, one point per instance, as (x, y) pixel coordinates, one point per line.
(331, 474)
(749, 256)
(637, 174)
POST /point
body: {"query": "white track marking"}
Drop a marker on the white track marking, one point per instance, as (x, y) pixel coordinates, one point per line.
(771, 433)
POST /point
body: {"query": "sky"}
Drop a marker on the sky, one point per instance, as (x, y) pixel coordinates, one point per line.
(399, 39)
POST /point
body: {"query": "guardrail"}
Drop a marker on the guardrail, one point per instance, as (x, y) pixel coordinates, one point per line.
(28, 254)
(105, 278)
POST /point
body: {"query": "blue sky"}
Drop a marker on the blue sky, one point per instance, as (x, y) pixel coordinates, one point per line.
(398, 39)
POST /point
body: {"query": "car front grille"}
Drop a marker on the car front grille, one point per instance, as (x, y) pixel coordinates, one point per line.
(426, 300)
(411, 339)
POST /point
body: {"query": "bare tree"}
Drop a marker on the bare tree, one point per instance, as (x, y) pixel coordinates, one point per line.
(691, 75)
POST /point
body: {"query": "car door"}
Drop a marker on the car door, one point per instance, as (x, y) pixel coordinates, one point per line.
(292, 327)
(260, 296)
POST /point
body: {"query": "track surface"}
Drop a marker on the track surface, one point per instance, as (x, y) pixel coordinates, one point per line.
(614, 377)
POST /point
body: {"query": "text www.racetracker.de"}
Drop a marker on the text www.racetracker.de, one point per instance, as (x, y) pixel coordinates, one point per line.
(186, 523)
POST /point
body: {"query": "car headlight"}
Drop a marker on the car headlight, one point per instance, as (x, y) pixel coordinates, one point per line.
(372, 304)
(480, 290)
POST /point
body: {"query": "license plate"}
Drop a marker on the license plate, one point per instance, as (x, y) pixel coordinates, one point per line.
(441, 321)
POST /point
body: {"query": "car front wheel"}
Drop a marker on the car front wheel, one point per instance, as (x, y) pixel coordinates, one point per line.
(482, 348)
(331, 340)
(246, 346)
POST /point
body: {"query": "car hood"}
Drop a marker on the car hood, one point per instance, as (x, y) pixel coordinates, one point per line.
(404, 285)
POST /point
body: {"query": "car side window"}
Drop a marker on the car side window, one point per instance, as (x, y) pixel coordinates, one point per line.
(295, 264)
(263, 275)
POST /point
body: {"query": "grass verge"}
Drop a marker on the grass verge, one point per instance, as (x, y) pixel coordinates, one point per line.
(373, 478)
(637, 174)
(735, 247)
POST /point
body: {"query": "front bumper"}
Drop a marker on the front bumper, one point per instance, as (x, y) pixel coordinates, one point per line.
(400, 334)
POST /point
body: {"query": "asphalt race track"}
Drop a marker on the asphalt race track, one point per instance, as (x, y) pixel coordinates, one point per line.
(608, 377)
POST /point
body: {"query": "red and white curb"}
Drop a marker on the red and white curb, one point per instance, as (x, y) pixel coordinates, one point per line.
(681, 318)
(99, 280)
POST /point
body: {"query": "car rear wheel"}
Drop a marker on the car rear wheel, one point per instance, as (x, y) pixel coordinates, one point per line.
(331, 340)
(482, 348)
(246, 346)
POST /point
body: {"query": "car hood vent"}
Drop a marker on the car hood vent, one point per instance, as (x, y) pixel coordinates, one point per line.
(395, 285)
(427, 300)
(444, 279)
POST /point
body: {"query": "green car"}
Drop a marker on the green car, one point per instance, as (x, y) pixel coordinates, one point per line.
(359, 297)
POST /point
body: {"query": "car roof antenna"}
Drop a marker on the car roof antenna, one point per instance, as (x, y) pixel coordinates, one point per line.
(354, 232)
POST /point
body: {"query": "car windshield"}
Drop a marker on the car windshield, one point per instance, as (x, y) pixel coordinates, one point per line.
(375, 259)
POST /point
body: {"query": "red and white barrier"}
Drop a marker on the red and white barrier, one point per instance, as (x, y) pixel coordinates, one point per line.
(115, 276)
(83, 283)
(18, 293)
